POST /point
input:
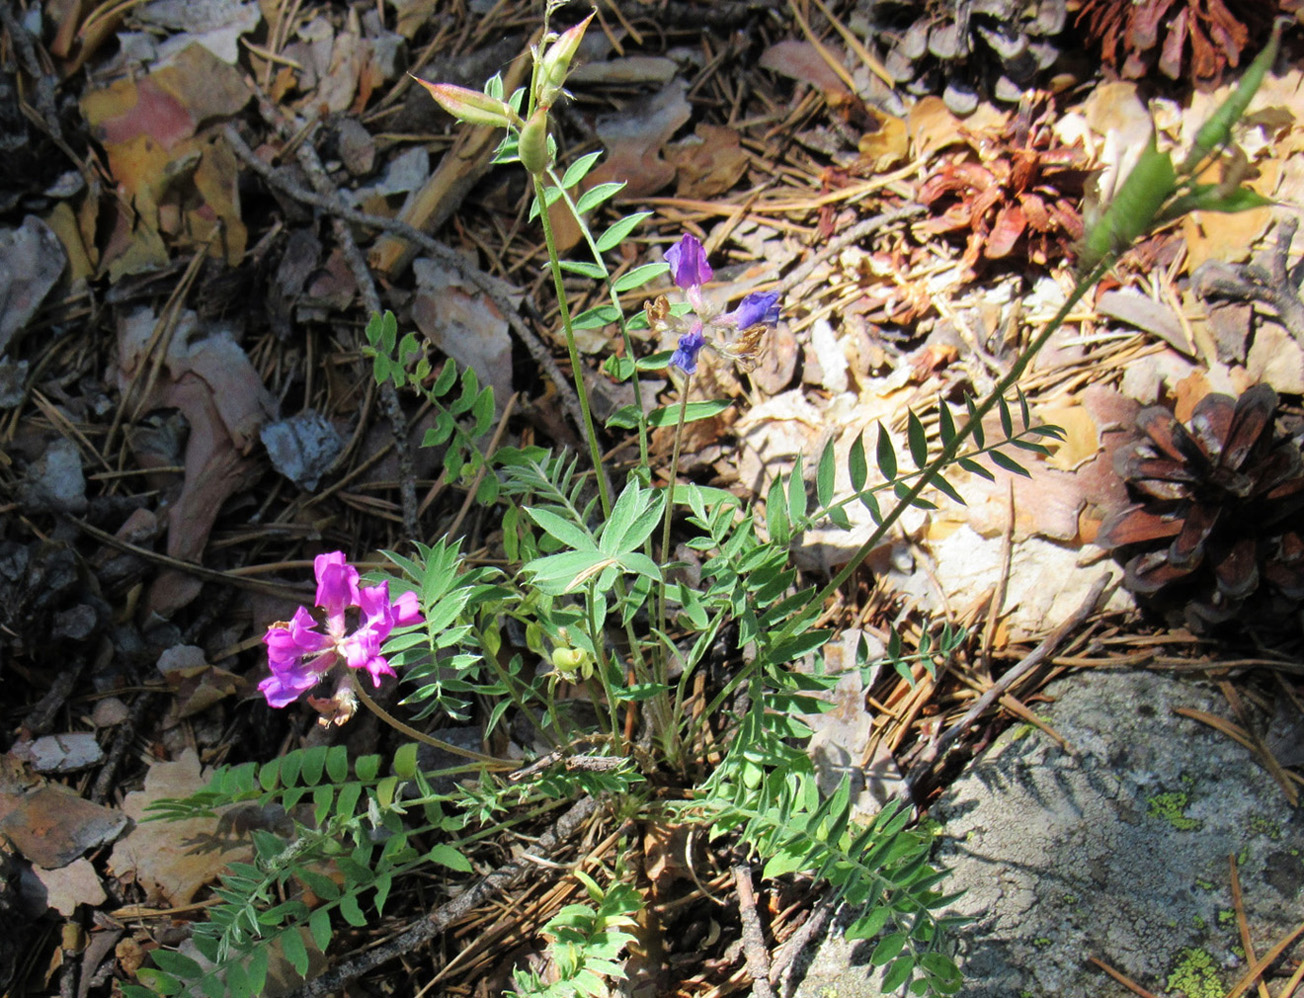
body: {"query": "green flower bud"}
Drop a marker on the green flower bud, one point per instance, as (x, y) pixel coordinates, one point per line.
(572, 663)
(556, 62)
(532, 146)
(472, 106)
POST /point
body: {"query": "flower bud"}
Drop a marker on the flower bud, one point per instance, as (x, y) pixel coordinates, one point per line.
(472, 106)
(572, 663)
(556, 62)
(532, 146)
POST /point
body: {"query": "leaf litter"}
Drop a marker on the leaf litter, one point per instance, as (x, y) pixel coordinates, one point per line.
(188, 305)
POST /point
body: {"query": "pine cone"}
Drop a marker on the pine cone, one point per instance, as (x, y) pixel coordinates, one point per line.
(1218, 512)
(1198, 39)
(968, 48)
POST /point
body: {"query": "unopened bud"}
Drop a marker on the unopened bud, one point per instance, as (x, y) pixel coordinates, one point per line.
(572, 663)
(472, 106)
(532, 146)
(556, 62)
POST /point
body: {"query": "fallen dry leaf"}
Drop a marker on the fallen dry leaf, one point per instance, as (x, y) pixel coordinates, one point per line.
(709, 165)
(172, 860)
(51, 825)
(208, 377)
(633, 139)
(465, 324)
(31, 260)
(66, 888)
(932, 126)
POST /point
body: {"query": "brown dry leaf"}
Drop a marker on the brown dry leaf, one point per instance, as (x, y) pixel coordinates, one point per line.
(77, 243)
(709, 166)
(51, 825)
(633, 139)
(802, 61)
(161, 166)
(208, 377)
(66, 888)
(885, 145)
(1230, 237)
(1187, 394)
(466, 325)
(196, 684)
(172, 860)
(665, 855)
(1276, 359)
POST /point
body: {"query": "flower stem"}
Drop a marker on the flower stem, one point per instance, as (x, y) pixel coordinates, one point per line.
(577, 368)
(491, 761)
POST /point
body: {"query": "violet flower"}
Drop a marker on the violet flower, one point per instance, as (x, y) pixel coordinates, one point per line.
(690, 345)
(303, 650)
(757, 308)
(735, 334)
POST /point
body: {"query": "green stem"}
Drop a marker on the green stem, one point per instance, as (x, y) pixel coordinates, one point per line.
(952, 446)
(577, 368)
(645, 463)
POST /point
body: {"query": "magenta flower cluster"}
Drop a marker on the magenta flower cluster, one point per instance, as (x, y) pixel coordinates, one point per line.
(690, 271)
(357, 621)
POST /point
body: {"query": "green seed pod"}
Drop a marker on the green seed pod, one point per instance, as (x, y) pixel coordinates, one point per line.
(532, 146)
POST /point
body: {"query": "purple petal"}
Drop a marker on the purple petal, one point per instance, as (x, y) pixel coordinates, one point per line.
(688, 263)
(755, 308)
(407, 609)
(377, 667)
(690, 345)
(290, 644)
(337, 583)
(289, 680)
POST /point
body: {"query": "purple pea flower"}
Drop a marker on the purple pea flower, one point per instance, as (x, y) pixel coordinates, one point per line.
(757, 308)
(300, 653)
(690, 345)
(688, 263)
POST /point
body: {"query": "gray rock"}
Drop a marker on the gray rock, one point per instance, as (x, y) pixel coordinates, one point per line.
(1116, 848)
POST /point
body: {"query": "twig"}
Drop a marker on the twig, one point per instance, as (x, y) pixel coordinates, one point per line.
(446, 256)
(787, 951)
(446, 914)
(758, 957)
(122, 739)
(1032, 660)
(311, 163)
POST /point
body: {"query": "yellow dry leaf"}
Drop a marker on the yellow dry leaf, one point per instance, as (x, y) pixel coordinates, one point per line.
(1230, 236)
(1081, 442)
(886, 146)
(932, 127)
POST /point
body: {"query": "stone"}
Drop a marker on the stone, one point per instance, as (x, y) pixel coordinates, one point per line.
(1116, 847)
